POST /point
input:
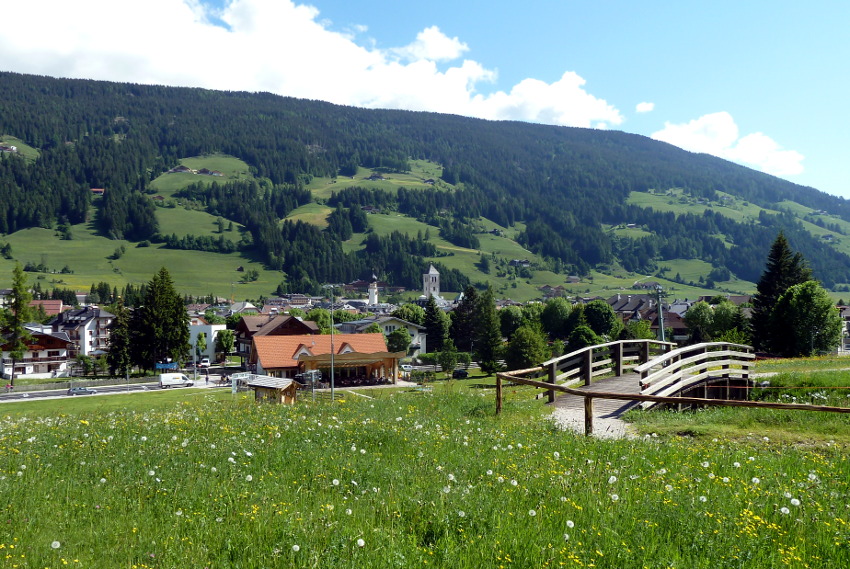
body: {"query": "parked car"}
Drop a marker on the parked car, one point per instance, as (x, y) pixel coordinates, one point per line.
(406, 367)
(460, 374)
(205, 362)
(81, 391)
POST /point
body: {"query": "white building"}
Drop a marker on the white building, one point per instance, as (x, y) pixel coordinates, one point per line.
(198, 325)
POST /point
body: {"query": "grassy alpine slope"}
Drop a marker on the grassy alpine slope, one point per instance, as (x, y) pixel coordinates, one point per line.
(408, 479)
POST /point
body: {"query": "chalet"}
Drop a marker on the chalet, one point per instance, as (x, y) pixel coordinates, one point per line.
(736, 299)
(646, 285)
(573, 279)
(181, 169)
(524, 263)
(97, 191)
(208, 172)
(242, 307)
(370, 209)
(8, 148)
(269, 325)
(355, 357)
(87, 329)
(430, 181)
(388, 325)
(376, 176)
(46, 355)
(552, 291)
(5, 296)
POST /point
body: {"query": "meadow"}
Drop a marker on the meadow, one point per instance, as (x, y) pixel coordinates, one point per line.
(405, 479)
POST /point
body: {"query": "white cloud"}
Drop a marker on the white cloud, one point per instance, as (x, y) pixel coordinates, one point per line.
(645, 107)
(434, 45)
(277, 46)
(717, 134)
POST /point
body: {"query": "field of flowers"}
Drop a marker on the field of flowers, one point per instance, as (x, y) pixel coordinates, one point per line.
(404, 480)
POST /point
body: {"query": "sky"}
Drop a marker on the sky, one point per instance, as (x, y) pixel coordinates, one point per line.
(762, 83)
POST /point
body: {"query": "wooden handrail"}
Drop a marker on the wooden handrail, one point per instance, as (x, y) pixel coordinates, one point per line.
(673, 365)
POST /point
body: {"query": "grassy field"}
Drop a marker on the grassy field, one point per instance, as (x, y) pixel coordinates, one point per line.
(28, 152)
(232, 168)
(420, 170)
(405, 479)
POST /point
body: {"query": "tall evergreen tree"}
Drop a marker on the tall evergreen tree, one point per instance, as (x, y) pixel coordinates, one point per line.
(19, 313)
(436, 326)
(118, 356)
(488, 338)
(160, 327)
(784, 269)
(463, 320)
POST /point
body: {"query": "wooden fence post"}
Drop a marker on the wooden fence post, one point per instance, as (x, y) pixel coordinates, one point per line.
(498, 394)
(588, 416)
(618, 358)
(551, 379)
(587, 364)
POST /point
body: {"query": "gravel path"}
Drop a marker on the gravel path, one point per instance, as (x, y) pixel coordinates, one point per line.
(603, 428)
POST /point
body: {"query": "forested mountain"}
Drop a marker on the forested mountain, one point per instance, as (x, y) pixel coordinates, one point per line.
(564, 184)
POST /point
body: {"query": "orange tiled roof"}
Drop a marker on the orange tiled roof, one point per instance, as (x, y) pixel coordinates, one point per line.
(275, 352)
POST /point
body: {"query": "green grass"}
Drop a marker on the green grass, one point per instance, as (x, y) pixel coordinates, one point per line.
(411, 479)
(312, 213)
(87, 255)
(816, 381)
(25, 150)
(420, 170)
(232, 168)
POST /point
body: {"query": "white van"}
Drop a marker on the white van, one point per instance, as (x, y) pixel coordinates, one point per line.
(174, 379)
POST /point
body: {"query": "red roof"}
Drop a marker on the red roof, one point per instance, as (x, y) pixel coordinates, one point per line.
(51, 307)
(274, 352)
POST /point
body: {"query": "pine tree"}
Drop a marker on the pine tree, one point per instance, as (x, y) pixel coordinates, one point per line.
(436, 325)
(784, 269)
(16, 334)
(118, 356)
(463, 320)
(160, 327)
(488, 338)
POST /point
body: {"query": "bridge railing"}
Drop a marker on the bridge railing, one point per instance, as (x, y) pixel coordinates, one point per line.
(529, 377)
(581, 366)
(684, 368)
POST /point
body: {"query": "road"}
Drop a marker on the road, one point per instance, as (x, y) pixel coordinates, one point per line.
(103, 390)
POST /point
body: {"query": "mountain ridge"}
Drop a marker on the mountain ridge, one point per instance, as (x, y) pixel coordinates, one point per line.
(565, 185)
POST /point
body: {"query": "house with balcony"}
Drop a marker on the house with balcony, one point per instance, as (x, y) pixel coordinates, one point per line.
(87, 329)
(388, 325)
(46, 355)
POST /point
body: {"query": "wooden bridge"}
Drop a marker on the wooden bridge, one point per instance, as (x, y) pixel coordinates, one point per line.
(635, 377)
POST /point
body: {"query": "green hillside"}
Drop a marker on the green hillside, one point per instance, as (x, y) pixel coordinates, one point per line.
(291, 187)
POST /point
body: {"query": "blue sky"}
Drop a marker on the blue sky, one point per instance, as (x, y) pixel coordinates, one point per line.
(761, 83)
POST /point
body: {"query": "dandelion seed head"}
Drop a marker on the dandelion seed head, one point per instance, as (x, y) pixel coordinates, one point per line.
(55, 545)
(514, 482)
(532, 513)
(461, 514)
(703, 499)
(795, 502)
(755, 480)
(571, 524)
(249, 478)
(296, 548)
(614, 497)
(784, 510)
(348, 512)
(360, 542)
(335, 482)
(612, 479)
